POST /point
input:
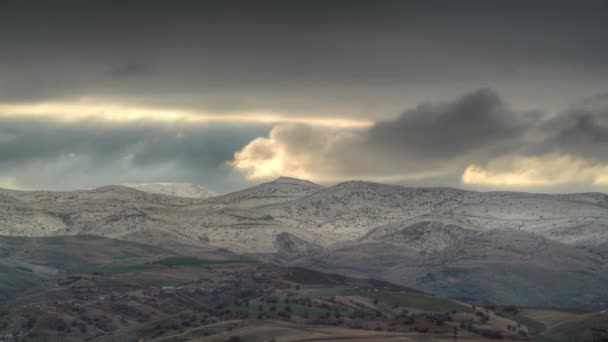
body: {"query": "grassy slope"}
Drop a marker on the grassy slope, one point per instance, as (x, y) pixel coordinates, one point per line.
(13, 280)
(419, 301)
(578, 329)
(26, 262)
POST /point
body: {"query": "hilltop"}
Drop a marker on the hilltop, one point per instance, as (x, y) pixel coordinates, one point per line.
(189, 190)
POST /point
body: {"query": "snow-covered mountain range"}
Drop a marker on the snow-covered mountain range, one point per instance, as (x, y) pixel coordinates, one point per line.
(357, 228)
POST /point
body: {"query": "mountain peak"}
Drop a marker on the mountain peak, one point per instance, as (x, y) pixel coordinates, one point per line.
(110, 188)
(291, 180)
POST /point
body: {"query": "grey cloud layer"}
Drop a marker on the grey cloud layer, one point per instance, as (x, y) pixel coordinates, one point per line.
(442, 135)
(581, 131)
(314, 57)
(434, 143)
(472, 122)
(481, 125)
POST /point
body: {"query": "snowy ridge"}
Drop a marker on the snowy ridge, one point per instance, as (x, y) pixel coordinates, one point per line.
(189, 190)
(250, 220)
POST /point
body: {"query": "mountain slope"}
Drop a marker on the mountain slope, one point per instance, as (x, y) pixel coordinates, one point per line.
(280, 190)
(453, 261)
(189, 190)
(349, 210)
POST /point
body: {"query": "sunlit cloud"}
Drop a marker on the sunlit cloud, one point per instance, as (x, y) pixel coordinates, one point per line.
(270, 157)
(310, 153)
(538, 171)
(8, 182)
(72, 111)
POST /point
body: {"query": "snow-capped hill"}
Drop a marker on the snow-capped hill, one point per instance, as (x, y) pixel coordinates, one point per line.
(278, 191)
(426, 236)
(189, 190)
(350, 210)
(324, 216)
(296, 181)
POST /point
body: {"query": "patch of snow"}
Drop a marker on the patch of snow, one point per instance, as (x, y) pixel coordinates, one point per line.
(188, 190)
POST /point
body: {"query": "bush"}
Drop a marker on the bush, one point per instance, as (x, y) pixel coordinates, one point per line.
(58, 324)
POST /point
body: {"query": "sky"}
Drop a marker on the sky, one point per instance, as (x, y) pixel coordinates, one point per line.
(471, 94)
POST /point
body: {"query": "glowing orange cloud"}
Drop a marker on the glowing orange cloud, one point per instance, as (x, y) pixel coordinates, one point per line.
(546, 170)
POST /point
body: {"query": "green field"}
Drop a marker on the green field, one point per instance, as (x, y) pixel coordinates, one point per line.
(13, 281)
(190, 261)
(253, 308)
(24, 269)
(172, 261)
(423, 302)
(534, 327)
(119, 269)
(69, 281)
(51, 240)
(429, 303)
(332, 291)
(126, 255)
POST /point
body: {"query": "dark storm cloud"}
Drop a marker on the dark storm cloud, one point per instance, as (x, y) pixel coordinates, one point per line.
(439, 136)
(582, 131)
(129, 69)
(483, 126)
(328, 57)
(435, 143)
(443, 130)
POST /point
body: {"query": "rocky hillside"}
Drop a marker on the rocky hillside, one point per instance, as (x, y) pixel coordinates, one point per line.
(349, 210)
(453, 261)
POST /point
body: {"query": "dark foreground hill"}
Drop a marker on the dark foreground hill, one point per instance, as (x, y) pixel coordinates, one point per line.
(91, 288)
(501, 266)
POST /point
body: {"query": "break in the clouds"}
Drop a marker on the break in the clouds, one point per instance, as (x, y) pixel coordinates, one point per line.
(230, 92)
(52, 154)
